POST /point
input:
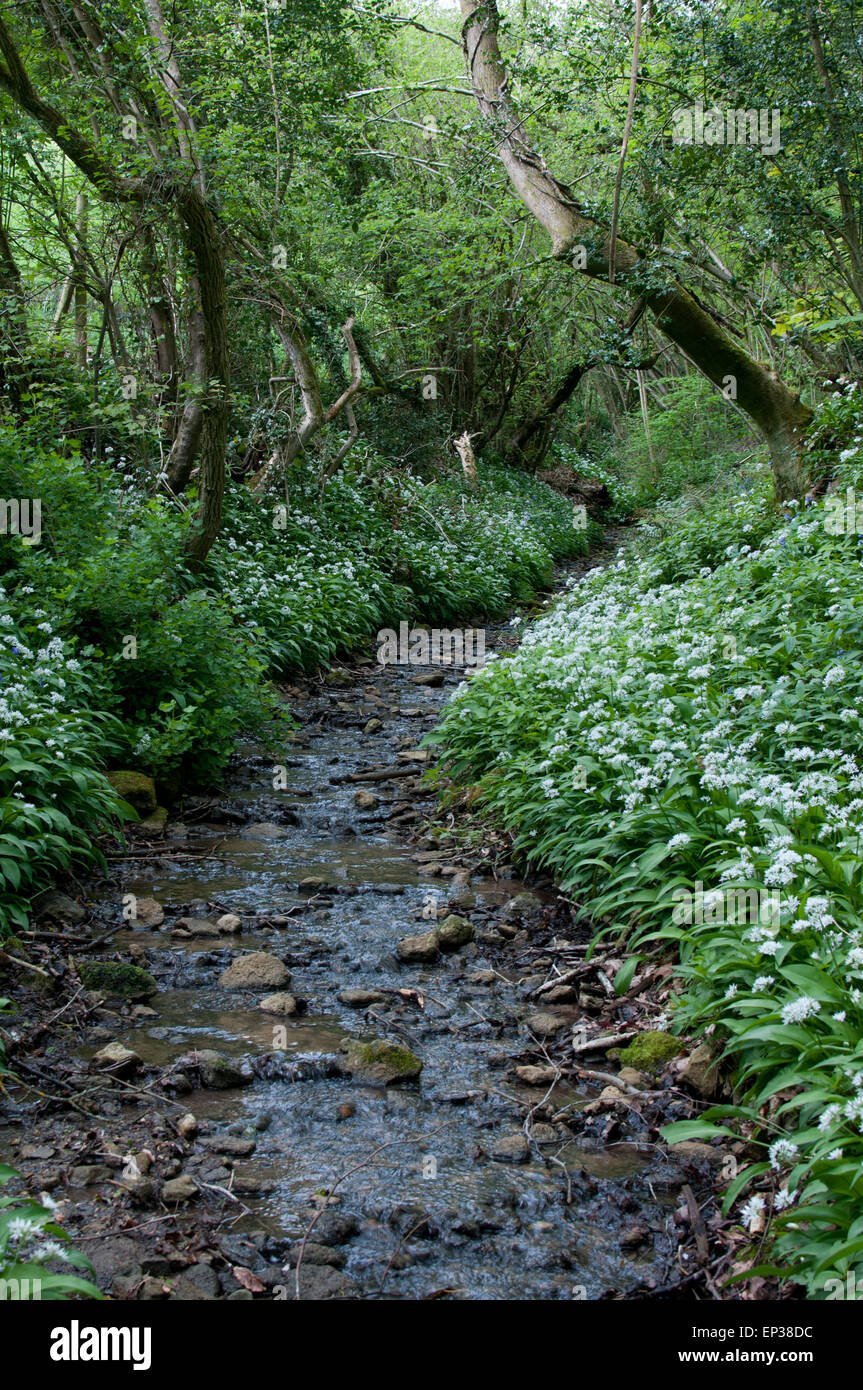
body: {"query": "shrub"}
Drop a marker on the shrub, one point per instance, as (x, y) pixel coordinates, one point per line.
(52, 798)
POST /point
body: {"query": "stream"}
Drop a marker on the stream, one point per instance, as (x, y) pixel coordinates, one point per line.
(425, 1188)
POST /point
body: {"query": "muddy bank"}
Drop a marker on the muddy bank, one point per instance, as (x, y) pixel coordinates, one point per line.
(355, 1054)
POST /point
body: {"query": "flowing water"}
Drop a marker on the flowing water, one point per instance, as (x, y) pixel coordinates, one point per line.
(410, 1161)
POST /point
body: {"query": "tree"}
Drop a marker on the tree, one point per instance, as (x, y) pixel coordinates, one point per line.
(182, 190)
(582, 238)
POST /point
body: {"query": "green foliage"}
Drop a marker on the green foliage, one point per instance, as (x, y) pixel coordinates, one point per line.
(30, 1242)
(52, 738)
(112, 653)
(5, 1007)
(834, 444)
(381, 546)
(695, 437)
(680, 742)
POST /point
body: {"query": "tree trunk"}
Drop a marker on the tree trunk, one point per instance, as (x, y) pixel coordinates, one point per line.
(187, 433)
(80, 273)
(205, 244)
(518, 446)
(14, 335)
(161, 318)
(315, 417)
(775, 409)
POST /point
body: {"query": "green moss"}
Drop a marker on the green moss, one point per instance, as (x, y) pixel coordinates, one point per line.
(382, 1061)
(155, 822)
(400, 1059)
(135, 788)
(113, 977)
(650, 1051)
(453, 932)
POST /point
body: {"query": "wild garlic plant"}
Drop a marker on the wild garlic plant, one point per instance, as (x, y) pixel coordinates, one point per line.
(652, 740)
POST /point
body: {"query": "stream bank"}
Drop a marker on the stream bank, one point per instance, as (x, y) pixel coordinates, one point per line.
(204, 1146)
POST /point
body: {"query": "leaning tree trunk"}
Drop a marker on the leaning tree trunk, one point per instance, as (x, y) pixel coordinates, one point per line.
(774, 408)
(523, 444)
(80, 271)
(161, 318)
(315, 416)
(187, 430)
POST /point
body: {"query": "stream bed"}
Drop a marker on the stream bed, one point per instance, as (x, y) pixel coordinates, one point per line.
(466, 1182)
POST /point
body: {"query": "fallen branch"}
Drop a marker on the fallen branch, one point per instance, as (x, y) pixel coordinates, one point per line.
(602, 1043)
(607, 1078)
(383, 774)
(6, 959)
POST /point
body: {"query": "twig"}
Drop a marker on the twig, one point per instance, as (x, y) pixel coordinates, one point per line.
(55, 1016)
(603, 1043)
(606, 1078)
(24, 964)
(231, 1196)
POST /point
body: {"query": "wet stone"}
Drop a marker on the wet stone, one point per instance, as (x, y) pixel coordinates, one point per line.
(361, 998)
(380, 1063)
(89, 1174)
(181, 1189)
(286, 1005)
(218, 1072)
(117, 1058)
(334, 1227)
(257, 970)
(422, 949)
(536, 1076)
(316, 1253)
(512, 1148)
(147, 913)
(58, 907)
(544, 1025)
(228, 1144)
(194, 926)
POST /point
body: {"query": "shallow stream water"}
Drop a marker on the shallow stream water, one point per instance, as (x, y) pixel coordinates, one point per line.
(411, 1161)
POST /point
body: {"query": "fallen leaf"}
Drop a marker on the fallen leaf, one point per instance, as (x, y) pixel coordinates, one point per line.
(248, 1280)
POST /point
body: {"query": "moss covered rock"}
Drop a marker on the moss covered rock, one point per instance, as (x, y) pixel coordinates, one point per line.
(113, 977)
(136, 788)
(453, 932)
(381, 1063)
(650, 1051)
(153, 824)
